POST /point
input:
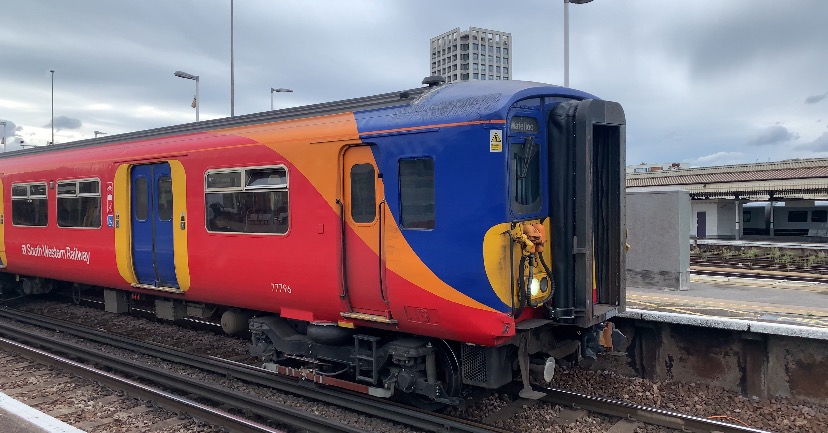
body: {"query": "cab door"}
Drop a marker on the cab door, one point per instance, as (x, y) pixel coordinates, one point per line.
(364, 264)
(153, 255)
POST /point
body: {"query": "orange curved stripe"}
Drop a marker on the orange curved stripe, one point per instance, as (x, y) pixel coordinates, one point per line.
(315, 146)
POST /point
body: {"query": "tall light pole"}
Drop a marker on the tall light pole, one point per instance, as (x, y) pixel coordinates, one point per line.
(187, 76)
(566, 36)
(232, 75)
(4, 136)
(97, 133)
(53, 105)
(279, 90)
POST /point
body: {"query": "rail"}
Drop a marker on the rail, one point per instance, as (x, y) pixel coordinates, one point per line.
(378, 408)
(641, 413)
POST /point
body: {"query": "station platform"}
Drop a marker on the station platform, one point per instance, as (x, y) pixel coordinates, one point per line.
(17, 417)
(770, 307)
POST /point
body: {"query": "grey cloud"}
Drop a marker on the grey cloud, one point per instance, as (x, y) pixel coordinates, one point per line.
(772, 135)
(117, 75)
(813, 99)
(818, 145)
(63, 122)
(745, 40)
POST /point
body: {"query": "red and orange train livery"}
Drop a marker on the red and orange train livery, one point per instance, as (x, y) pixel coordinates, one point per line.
(413, 242)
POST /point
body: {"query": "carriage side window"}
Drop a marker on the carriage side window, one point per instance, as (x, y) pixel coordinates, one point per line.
(247, 200)
(29, 205)
(417, 193)
(363, 193)
(798, 216)
(79, 203)
(819, 216)
(746, 216)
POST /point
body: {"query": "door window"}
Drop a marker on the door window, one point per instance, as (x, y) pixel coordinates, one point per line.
(141, 199)
(363, 193)
(165, 198)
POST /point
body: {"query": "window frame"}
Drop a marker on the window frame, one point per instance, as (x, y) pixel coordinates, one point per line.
(245, 188)
(79, 195)
(29, 196)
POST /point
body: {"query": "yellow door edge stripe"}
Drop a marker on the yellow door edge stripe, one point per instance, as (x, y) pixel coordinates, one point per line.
(180, 224)
(123, 227)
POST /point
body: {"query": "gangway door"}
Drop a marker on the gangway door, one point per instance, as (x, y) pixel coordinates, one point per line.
(587, 171)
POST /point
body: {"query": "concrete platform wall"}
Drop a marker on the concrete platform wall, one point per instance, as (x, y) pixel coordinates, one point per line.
(658, 224)
(753, 364)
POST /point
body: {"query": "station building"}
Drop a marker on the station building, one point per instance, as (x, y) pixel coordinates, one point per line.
(473, 54)
(784, 199)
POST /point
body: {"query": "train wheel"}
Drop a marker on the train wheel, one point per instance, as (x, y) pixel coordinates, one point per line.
(448, 373)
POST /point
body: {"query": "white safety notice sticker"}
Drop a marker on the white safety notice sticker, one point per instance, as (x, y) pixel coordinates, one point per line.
(495, 140)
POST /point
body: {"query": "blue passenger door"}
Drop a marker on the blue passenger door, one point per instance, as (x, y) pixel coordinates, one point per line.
(153, 256)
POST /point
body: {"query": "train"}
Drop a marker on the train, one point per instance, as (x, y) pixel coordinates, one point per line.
(413, 244)
(793, 218)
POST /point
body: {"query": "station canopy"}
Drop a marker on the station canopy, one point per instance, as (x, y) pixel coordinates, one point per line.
(783, 180)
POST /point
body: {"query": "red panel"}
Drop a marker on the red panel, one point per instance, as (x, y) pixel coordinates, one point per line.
(299, 272)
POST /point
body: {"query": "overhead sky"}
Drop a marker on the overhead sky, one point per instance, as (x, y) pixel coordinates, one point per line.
(703, 82)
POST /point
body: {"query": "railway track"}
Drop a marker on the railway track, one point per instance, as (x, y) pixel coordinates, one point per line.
(403, 415)
(763, 268)
(644, 414)
(758, 274)
(390, 411)
(128, 390)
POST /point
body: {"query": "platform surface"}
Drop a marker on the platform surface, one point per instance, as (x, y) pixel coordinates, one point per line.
(711, 300)
(17, 417)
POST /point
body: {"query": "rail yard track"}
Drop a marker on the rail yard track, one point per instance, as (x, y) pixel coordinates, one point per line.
(765, 263)
(720, 269)
(264, 415)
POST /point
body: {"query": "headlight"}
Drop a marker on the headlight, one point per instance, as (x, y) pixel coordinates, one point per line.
(534, 287)
(544, 285)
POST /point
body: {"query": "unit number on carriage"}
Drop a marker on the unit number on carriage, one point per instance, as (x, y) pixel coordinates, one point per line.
(280, 288)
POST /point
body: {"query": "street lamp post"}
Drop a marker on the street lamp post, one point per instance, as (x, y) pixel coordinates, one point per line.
(187, 76)
(97, 133)
(279, 90)
(566, 36)
(232, 74)
(4, 136)
(53, 105)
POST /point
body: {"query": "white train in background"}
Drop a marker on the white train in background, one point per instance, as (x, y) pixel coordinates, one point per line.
(789, 219)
